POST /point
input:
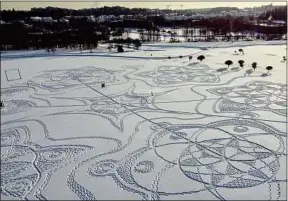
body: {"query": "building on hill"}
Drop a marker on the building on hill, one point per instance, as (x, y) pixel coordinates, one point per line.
(106, 18)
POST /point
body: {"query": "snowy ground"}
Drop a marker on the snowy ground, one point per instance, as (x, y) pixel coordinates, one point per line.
(160, 129)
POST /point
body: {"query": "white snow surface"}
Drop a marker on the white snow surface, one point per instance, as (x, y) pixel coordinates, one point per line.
(160, 128)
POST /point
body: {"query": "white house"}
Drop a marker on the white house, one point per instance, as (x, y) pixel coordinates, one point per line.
(48, 19)
(64, 21)
(279, 22)
(36, 19)
(106, 18)
(44, 19)
(91, 18)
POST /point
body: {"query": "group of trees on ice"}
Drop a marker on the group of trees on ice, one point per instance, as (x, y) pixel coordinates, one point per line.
(241, 64)
(253, 65)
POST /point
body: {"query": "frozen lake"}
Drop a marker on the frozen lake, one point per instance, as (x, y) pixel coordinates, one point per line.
(160, 128)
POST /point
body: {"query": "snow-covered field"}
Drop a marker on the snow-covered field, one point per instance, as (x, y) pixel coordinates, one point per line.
(160, 129)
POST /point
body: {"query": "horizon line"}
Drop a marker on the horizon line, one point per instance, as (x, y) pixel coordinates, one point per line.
(78, 5)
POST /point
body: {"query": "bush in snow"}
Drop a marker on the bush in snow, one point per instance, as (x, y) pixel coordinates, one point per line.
(110, 46)
(120, 48)
(201, 58)
(241, 51)
(53, 50)
(136, 43)
(228, 63)
(254, 65)
(241, 63)
(268, 68)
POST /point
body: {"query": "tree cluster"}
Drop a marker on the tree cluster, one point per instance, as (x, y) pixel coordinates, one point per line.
(278, 13)
(21, 32)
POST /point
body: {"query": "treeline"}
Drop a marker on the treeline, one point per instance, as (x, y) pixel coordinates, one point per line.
(138, 24)
(58, 13)
(278, 13)
(84, 33)
(18, 36)
(221, 9)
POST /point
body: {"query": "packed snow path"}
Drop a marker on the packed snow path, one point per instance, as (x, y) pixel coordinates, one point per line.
(160, 129)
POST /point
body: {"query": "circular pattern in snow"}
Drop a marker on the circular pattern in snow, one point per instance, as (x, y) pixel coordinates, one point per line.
(144, 167)
(102, 168)
(230, 163)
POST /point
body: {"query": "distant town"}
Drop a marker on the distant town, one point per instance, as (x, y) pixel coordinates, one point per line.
(49, 27)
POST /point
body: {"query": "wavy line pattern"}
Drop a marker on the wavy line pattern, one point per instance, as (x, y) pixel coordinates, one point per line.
(126, 141)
